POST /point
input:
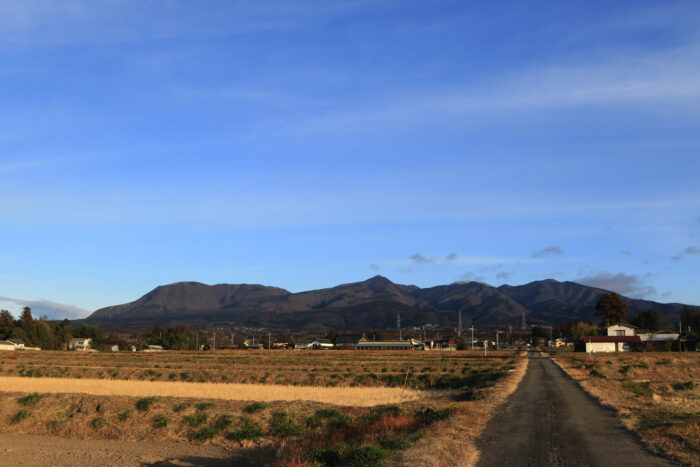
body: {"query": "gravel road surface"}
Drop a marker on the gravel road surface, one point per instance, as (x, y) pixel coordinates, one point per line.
(550, 421)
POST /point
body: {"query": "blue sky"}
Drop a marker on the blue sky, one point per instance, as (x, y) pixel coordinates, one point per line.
(311, 143)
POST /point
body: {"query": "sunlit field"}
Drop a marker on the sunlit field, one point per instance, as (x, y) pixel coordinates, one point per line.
(322, 407)
(657, 394)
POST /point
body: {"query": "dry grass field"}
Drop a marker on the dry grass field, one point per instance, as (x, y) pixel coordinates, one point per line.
(656, 395)
(427, 370)
(307, 407)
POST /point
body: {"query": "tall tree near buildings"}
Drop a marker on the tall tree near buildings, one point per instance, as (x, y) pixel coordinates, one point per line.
(612, 308)
(7, 322)
(650, 320)
(26, 321)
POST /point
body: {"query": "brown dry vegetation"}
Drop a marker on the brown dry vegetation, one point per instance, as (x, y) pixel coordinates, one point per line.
(355, 397)
(655, 394)
(307, 368)
(309, 431)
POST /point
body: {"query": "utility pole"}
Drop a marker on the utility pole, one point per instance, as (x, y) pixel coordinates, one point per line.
(232, 334)
(459, 324)
(472, 329)
(497, 333)
(524, 325)
(269, 346)
(398, 323)
(214, 348)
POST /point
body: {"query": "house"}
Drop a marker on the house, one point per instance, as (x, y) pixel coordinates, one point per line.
(411, 344)
(442, 344)
(81, 344)
(19, 343)
(622, 329)
(313, 344)
(7, 345)
(349, 341)
(153, 348)
(111, 348)
(610, 343)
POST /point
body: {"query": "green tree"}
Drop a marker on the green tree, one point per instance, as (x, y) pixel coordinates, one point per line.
(650, 320)
(7, 323)
(26, 321)
(612, 308)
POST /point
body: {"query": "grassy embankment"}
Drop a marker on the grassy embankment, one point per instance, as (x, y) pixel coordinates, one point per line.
(299, 432)
(656, 394)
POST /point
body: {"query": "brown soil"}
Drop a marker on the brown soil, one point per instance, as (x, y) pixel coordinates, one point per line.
(33, 450)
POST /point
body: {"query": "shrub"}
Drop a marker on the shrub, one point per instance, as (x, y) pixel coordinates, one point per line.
(283, 425)
(683, 386)
(666, 417)
(370, 454)
(123, 416)
(222, 422)
(196, 419)
(30, 400)
(327, 456)
(254, 407)
(248, 429)
(395, 443)
(19, 416)
(636, 388)
(160, 421)
(204, 405)
(98, 422)
(201, 434)
(177, 408)
(144, 404)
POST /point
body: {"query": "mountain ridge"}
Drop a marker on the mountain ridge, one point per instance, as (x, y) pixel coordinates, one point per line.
(368, 304)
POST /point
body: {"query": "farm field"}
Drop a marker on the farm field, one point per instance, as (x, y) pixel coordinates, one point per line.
(657, 395)
(283, 423)
(427, 370)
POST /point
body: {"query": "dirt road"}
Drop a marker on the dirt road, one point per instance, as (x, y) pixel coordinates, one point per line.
(38, 451)
(550, 420)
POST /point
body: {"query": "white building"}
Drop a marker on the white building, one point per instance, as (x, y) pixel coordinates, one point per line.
(610, 343)
(7, 345)
(82, 344)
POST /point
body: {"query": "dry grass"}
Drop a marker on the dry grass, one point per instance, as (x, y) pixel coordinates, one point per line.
(304, 368)
(344, 396)
(454, 443)
(447, 401)
(655, 394)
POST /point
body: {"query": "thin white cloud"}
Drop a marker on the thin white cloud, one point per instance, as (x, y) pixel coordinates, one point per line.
(549, 252)
(46, 307)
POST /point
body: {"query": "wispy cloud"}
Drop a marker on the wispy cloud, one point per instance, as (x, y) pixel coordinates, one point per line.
(418, 258)
(631, 285)
(471, 277)
(549, 252)
(691, 250)
(46, 307)
(46, 22)
(624, 253)
(374, 267)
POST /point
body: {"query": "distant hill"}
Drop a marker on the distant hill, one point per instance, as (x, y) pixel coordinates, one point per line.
(371, 304)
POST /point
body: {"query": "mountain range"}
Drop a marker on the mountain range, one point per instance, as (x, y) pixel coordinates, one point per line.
(370, 304)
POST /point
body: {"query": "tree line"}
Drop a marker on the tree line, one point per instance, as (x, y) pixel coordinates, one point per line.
(45, 333)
